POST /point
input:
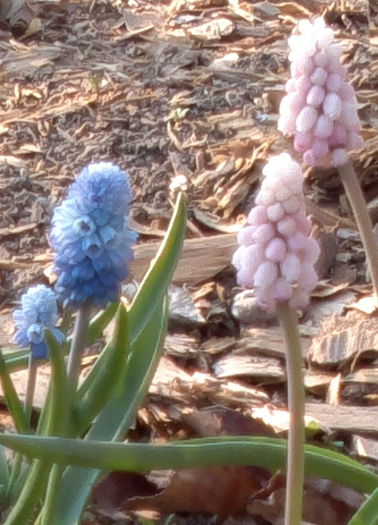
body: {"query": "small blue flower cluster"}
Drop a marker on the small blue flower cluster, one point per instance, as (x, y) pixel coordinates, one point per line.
(38, 311)
(91, 238)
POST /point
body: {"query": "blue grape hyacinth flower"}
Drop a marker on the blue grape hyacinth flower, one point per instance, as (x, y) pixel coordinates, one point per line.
(38, 311)
(91, 238)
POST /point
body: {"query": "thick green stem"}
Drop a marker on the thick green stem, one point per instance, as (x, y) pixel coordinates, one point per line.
(365, 227)
(78, 345)
(296, 401)
(30, 386)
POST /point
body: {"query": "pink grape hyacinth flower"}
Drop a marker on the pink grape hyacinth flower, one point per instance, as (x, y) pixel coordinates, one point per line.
(320, 108)
(276, 256)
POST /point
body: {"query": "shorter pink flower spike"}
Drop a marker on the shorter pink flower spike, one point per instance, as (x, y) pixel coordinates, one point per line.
(276, 256)
(320, 108)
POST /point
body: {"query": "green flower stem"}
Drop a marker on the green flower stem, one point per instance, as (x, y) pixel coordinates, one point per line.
(30, 386)
(365, 227)
(77, 345)
(296, 401)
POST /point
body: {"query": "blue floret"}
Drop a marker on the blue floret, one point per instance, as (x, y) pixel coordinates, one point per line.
(38, 311)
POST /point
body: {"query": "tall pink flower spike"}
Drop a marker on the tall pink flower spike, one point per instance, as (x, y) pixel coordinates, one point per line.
(276, 256)
(320, 109)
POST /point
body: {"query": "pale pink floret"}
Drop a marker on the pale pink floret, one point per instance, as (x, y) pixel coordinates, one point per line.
(263, 233)
(323, 127)
(319, 76)
(290, 267)
(307, 278)
(315, 96)
(266, 274)
(333, 83)
(291, 204)
(320, 104)
(320, 147)
(275, 212)
(303, 140)
(332, 106)
(245, 277)
(276, 250)
(237, 258)
(306, 118)
(257, 215)
(282, 290)
(278, 263)
(287, 226)
(245, 236)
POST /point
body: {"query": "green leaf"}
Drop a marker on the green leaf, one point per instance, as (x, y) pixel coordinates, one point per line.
(57, 418)
(106, 376)
(13, 402)
(17, 359)
(116, 417)
(153, 287)
(4, 470)
(367, 514)
(269, 453)
(157, 279)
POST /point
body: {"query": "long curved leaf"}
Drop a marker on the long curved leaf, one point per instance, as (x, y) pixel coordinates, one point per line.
(155, 283)
(109, 374)
(258, 451)
(367, 514)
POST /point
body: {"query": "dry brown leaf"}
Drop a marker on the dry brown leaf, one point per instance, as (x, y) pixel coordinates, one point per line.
(222, 491)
